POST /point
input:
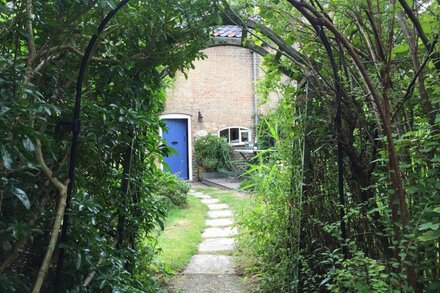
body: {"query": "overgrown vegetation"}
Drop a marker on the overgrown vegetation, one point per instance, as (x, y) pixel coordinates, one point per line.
(212, 153)
(368, 92)
(173, 189)
(347, 191)
(120, 194)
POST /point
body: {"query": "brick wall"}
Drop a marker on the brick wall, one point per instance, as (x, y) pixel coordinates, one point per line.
(220, 87)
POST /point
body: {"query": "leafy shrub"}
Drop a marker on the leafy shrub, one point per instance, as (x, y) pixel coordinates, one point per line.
(173, 189)
(117, 194)
(360, 274)
(212, 153)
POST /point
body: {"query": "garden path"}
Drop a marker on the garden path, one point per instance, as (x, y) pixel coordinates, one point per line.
(212, 268)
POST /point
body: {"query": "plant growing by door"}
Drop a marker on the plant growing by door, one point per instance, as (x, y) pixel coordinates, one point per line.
(212, 153)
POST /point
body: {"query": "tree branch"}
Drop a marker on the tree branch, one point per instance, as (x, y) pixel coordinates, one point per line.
(416, 23)
(410, 88)
(62, 188)
(251, 24)
(30, 34)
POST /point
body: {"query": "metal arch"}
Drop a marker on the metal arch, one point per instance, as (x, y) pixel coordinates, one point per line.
(75, 128)
(225, 41)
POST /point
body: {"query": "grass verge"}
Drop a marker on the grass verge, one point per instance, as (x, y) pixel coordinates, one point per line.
(178, 242)
(238, 201)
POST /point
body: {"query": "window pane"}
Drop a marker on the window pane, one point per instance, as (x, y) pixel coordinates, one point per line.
(234, 135)
(244, 136)
(224, 133)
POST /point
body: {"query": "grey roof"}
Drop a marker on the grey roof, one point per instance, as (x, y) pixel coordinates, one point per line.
(227, 31)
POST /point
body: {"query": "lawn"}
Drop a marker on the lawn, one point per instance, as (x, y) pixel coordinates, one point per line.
(238, 201)
(182, 234)
(183, 227)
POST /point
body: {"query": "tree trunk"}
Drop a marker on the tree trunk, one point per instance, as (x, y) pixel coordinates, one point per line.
(53, 242)
(426, 103)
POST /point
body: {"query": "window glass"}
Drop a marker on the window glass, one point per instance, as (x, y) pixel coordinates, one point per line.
(236, 135)
(225, 133)
(244, 136)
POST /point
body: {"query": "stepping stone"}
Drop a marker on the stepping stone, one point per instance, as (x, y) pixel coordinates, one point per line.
(201, 195)
(219, 232)
(218, 206)
(196, 193)
(210, 264)
(210, 200)
(219, 222)
(216, 244)
(199, 283)
(220, 214)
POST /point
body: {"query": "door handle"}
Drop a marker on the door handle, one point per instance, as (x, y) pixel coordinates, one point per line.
(174, 142)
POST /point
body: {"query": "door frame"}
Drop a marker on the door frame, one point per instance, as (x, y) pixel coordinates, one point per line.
(189, 140)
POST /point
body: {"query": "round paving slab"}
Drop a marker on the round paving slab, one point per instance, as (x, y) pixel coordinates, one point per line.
(223, 222)
(219, 232)
(210, 264)
(218, 206)
(220, 214)
(210, 200)
(216, 244)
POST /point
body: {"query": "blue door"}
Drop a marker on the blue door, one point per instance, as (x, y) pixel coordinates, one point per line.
(177, 138)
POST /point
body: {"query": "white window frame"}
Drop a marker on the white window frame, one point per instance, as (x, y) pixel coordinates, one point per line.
(240, 130)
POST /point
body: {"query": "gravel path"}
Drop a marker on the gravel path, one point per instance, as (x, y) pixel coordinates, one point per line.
(212, 268)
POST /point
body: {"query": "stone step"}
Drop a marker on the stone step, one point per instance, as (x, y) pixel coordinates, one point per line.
(210, 200)
(220, 214)
(216, 244)
(219, 232)
(201, 195)
(222, 222)
(218, 206)
(209, 283)
(210, 264)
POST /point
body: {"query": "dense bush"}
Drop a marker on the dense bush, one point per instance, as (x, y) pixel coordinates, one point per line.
(212, 153)
(119, 191)
(387, 137)
(173, 189)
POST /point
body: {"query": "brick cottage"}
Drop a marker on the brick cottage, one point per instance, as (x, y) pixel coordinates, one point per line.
(217, 97)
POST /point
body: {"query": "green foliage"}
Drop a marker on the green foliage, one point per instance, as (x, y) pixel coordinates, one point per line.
(173, 189)
(212, 153)
(178, 242)
(359, 274)
(293, 240)
(269, 233)
(113, 206)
